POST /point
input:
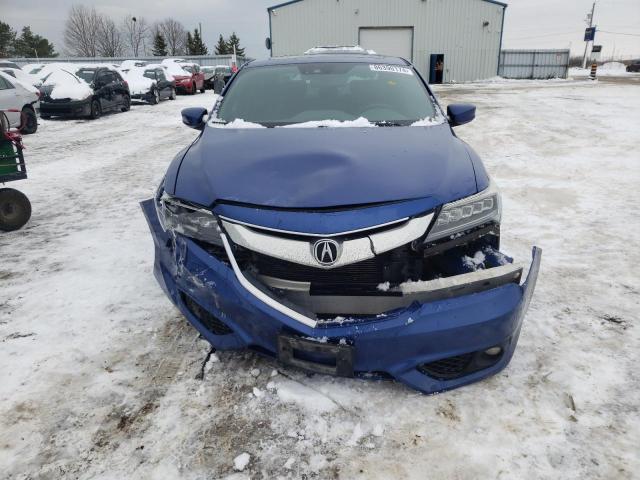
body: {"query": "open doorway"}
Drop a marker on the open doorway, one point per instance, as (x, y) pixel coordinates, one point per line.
(436, 68)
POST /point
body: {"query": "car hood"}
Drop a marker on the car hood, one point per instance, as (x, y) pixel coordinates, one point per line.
(324, 167)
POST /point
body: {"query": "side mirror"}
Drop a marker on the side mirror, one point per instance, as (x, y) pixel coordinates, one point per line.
(194, 117)
(461, 113)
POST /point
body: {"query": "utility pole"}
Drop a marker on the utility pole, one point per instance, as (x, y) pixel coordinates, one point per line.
(586, 44)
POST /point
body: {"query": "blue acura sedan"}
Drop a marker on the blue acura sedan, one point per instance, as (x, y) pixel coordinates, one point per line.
(329, 217)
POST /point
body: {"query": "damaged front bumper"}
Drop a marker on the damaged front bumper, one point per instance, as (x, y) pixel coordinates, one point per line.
(445, 337)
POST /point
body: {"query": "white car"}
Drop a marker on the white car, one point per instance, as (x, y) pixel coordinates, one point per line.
(24, 101)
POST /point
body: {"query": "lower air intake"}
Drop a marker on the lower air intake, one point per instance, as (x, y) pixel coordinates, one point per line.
(210, 322)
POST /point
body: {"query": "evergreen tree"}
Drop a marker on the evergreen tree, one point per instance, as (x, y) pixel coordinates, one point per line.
(189, 44)
(197, 45)
(7, 39)
(29, 44)
(235, 41)
(159, 46)
(221, 47)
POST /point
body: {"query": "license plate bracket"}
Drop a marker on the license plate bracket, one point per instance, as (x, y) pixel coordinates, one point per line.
(326, 358)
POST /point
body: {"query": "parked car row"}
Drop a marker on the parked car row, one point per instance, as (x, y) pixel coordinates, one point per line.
(89, 90)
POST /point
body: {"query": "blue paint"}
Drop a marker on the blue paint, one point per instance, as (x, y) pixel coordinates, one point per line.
(390, 344)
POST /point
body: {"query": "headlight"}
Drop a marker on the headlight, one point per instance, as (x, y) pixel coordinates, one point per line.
(483, 207)
(189, 220)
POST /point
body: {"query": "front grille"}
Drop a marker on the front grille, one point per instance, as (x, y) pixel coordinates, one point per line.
(210, 322)
(395, 266)
(447, 368)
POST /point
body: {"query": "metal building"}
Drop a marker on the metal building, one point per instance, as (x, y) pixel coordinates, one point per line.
(447, 40)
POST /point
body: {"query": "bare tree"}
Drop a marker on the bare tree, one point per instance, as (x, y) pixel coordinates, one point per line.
(82, 31)
(174, 34)
(110, 42)
(136, 30)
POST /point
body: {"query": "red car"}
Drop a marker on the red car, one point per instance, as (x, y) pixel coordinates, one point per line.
(191, 82)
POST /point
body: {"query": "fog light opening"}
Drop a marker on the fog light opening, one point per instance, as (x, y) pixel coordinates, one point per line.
(493, 351)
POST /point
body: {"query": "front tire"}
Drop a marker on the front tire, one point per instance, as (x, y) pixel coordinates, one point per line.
(193, 89)
(96, 110)
(126, 104)
(155, 97)
(30, 121)
(173, 94)
(15, 209)
(202, 89)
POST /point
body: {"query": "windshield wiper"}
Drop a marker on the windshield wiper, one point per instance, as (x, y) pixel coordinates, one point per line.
(390, 124)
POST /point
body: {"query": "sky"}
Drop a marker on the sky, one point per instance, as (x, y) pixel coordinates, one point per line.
(528, 23)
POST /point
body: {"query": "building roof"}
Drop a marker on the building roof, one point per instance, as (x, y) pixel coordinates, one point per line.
(284, 4)
(329, 58)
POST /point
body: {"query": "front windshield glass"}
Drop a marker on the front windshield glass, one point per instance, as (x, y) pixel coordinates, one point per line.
(86, 74)
(289, 94)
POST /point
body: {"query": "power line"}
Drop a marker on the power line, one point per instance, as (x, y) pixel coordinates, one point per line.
(621, 33)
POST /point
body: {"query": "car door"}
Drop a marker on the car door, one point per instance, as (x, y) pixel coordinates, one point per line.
(104, 89)
(164, 85)
(10, 99)
(119, 88)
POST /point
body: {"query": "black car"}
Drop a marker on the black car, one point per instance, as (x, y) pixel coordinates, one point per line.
(634, 66)
(161, 89)
(110, 93)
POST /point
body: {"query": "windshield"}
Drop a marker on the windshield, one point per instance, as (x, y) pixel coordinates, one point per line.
(288, 94)
(150, 74)
(86, 74)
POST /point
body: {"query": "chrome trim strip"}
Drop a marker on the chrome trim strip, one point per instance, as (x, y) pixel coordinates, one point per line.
(393, 238)
(351, 251)
(261, 295)
(296, 251)
(307, 234)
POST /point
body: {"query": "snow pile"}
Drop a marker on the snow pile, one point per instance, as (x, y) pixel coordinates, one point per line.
(476, 262)
(138, 83)
(428, 121)
(357, 123)
(612, 67)
(241, 461)
(67, 85)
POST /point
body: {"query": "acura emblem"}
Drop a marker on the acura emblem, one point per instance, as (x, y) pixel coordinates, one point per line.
(326, 251)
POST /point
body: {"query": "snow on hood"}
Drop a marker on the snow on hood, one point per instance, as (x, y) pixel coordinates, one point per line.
(138, 83)
(360, 122)
(66, 85)
(174, 69)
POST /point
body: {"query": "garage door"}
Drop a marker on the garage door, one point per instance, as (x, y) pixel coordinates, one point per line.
(397, 42)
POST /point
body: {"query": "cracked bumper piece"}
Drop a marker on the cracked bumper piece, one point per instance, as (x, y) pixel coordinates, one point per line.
(432, 346)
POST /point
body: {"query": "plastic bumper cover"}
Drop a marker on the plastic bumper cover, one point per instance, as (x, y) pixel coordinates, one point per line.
(396, 344)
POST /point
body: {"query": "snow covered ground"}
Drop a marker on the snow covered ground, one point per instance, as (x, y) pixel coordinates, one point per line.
(102, 378)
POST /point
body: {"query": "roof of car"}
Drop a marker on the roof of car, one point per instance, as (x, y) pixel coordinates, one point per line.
(330, 58)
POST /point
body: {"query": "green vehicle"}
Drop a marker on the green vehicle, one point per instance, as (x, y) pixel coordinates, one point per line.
(15, 208)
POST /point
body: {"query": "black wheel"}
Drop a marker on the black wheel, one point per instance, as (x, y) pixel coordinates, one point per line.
(29, 121)
(202, 89)
(193, 89)
(96, 111)
(126, 103)
(155, 97)
(15, 209)
(173, 94)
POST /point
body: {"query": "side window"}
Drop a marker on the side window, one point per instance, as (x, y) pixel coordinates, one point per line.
(161, 76)
(116, 77)
(103, 78)
(5, 84)
(197, 68)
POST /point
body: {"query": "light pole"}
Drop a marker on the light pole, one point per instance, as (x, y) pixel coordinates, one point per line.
(133, 37)
(586, 44)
